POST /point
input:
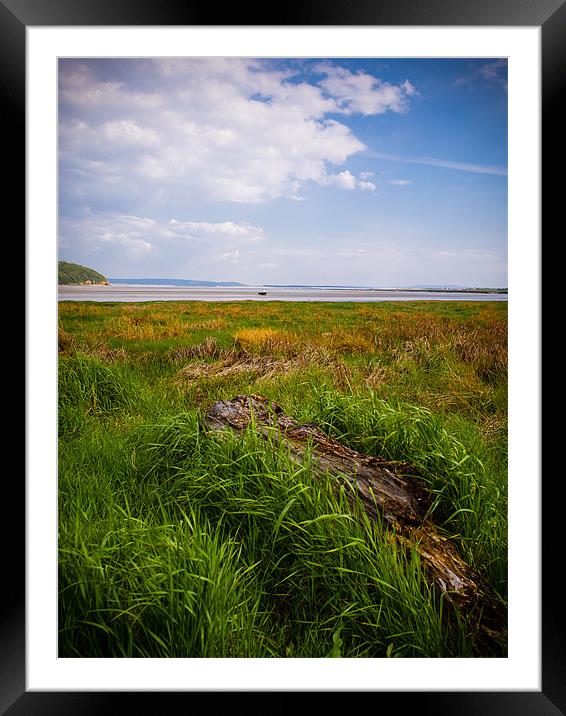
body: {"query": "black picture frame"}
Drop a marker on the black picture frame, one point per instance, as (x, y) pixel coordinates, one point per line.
(15, 17)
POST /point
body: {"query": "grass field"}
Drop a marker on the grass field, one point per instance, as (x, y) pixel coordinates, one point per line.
(174, 542)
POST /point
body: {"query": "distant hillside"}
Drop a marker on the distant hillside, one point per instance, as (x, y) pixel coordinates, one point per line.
(70, 273)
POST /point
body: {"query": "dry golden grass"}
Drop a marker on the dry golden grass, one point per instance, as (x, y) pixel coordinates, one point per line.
(485, 348)
(214, 324)
(209, 348)
(267, 340)
(325, 344)
(146, 327)
(353, 342)
(92, 347)
(449, 358)
(401, 327)
(66, 342)
(418, 349)
(230, 366)
(260, 353)
(110, 355)
(377, 377)
(480, 343)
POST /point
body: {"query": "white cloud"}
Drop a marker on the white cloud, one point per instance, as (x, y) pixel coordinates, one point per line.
(80, 90)
(409, 89)
(215, 129)
(205, 133)
(401, 182)
(132, 245)
(363, 93)
(230, 256)
(127, 132)
(225, 229)
(346, 180)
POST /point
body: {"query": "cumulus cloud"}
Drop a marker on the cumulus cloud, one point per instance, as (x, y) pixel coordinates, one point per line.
(409, 88)
(401, 182)
(363, 93)
(128, 244)
(214, 129)
(366, 185)
(226, 229)
(346, 180)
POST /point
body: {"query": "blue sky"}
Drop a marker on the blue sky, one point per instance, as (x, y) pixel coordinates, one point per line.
(373, 172)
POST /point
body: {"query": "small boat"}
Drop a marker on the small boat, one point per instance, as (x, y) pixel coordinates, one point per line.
(262, 293)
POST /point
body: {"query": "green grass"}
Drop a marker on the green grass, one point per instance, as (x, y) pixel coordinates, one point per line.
(175, 542)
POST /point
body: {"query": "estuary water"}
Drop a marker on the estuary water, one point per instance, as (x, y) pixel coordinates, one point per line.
(135, 293)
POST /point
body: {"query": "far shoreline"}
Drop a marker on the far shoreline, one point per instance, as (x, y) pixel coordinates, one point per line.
(157, 292)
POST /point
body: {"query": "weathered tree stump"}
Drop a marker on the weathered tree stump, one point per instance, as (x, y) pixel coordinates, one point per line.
(390, 489)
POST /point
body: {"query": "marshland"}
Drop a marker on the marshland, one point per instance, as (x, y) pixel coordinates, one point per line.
(180, 541)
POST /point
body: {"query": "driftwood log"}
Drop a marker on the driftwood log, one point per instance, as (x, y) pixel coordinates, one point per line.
(390, 489)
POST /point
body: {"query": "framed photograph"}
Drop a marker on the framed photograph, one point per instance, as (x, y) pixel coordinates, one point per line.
(333, 69)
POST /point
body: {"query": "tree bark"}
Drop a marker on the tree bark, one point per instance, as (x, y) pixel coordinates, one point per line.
(390, 489)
